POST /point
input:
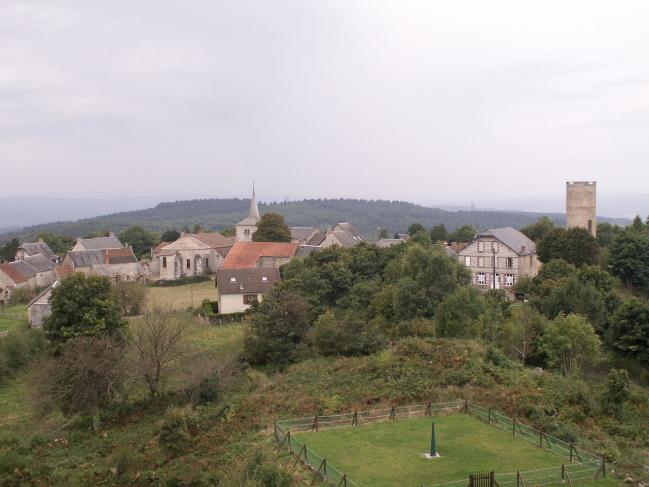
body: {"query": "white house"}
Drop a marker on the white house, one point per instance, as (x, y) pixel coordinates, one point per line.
(238, 289)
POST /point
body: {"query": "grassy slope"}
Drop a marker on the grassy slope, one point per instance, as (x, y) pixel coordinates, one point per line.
(390, 453)
(13, 317)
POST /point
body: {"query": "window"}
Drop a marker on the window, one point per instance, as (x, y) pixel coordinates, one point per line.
(509, 280)
(467, 261)
(249, 298)
(164, 262)
(509, 262)
(246, 231)
(481, 278)
(189, 264)
(264, 278)
(480, 261)
(207, 262)
(480, 246)
(233, 279)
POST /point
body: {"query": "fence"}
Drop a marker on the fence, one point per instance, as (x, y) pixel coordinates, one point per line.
(583, 464)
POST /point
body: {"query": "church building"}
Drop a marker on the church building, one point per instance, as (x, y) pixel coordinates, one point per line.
(246, 227)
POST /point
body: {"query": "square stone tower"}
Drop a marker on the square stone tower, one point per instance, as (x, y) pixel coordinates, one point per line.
(581, 205)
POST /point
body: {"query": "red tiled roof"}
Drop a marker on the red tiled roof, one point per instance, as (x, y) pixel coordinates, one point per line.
(14, 274)
(246, 254)
(120, 256)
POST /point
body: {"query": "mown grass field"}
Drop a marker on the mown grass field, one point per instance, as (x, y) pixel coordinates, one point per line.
(13, 317)
(182, 297)
(392, 453)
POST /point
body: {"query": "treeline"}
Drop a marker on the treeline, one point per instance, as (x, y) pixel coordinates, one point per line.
(219, 214)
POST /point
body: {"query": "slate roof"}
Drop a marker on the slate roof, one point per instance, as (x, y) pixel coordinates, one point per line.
(246, 254)
(36, 248)
(89, 258)
(215, 239)
(514, 239)
(347, 234)
(189, 241)
(22, 270)
(306, 250)
(239, 281)
(317, 239)
(110, 242)
(302, 234)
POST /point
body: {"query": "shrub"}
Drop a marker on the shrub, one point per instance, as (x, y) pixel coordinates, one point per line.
(130, 297)
(617, 392)
(18, 349)
(176, 430)
(123, 459)
(347, 335)
(22, 295)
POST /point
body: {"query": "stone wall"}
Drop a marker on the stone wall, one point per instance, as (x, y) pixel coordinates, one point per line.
(581, 205)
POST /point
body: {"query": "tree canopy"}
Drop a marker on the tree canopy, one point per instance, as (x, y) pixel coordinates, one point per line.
(574, 245)
(272, 228)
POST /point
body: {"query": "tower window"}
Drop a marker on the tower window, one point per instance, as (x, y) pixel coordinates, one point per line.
(164, 262)
(189, 264)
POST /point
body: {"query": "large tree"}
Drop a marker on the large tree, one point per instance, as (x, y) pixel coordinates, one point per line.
(629, 330)
(570, 341)
(141, 240)
(272, 228)
(83, 306)
(536, 231)
(629, 258)
(8, 252)
(574, 245)
(59, 244)
(278, 326)
(438, 233)
(462, 234)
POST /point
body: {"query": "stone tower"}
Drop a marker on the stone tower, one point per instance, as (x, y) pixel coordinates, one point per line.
(246, 227)
(581, 205)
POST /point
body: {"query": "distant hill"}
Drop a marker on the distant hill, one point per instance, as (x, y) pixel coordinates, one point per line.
(220, 214)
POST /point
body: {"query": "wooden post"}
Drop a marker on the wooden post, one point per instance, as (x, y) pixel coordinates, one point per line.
(355, 420)
(492, 479)
(314, 426)
(392, 415)
(343, 481)
(428, 411)
(603, 468)
(514, 428)
(489, 415)
(466, 406)
(290, 448)
(563, 472)
(275, 431)
(541, 439)
(324, 471)
(518, 478)
(571, 447)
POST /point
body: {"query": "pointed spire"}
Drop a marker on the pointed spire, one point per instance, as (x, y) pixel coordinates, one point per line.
(254, 210)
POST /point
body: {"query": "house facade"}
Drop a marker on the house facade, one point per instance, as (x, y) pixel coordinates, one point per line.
(118, 264)
(499, 257)
(190, 255)
(343, 234)
(238, 289)
(32, 272)
(30, 249)
(40, 308)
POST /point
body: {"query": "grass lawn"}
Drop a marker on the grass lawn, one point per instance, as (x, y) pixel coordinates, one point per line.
(182, 297)
(13, 317)
(390, 454)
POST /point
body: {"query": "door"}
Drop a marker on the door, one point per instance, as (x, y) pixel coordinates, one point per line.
(497, 283)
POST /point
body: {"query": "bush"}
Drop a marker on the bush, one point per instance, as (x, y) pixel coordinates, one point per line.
(18, 349)
(123, 459)
(11, 464)
(347, 335)
(130, 296)
(176, 430)
(22, 295)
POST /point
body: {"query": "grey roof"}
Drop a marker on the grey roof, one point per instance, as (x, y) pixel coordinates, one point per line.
(317, 239)
(514, 239)
(306, 250)
(302, 234)
(110, 242)
(349, 228)
(36, 248)
(38, 263)
(86, 258)
(253, 215)
(249, 280)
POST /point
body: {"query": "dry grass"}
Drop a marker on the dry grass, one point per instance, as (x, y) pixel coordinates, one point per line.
(180, 298)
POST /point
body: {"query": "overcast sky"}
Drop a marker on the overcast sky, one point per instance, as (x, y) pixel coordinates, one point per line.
(425, 101)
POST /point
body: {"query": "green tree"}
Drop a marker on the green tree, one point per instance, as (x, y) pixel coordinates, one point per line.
(83, 306)
(415, 228)
(59, 244)
(458, 314)
(606, 232)
(272, 228)
(141, 240)
(569, 342)
(629, 330)
(278, 325)
(384, 233)
(574, 245)
(521, 331)
(536, 231)
(462, 234)
(130, 297)
(346, 335)
(170, 236)
(629, 258)
(617, 392)
(438, 233)
(8, 252)
(637, 224)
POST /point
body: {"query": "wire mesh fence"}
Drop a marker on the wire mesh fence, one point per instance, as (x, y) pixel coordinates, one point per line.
(579, 464)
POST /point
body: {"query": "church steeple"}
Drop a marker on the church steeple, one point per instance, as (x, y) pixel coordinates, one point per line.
(254, 210)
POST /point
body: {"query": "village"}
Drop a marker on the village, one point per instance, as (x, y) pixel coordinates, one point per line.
(244, 270)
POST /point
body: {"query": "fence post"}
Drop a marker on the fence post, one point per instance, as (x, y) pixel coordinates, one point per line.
(392, 415)
(492, 479)
(355, 420)
(324, 471)
(518, 478)
(275, 431)
(563, 472)
(514, 428)
(571, 447)
(489, 415)
(314, 426)
(541, 439)
(290, 448)
(428, 410)
(466, 406)
(603, 468)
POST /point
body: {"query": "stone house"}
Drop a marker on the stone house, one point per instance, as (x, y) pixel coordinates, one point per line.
(303, 235)
(40, 308)
(247, 255)
(32, 272)
(118, 264)
(343, 234)
(99, 243)
(238, 289)
(30, 249)
(190, 255)
(499, 257)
